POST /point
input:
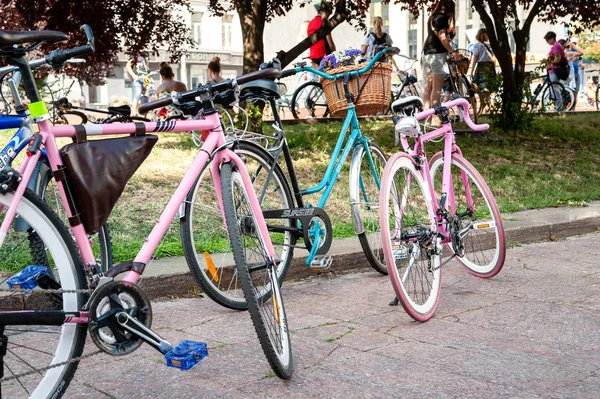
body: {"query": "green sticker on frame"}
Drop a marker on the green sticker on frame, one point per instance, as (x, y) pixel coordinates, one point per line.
(38, 109)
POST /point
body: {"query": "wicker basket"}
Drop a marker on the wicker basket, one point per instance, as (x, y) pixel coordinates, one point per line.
(375, 90)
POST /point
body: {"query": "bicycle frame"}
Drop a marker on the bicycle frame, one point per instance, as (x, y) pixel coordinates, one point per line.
(450, 147)
(214, 148)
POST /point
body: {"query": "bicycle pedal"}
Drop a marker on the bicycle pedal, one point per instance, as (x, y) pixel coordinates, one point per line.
(186, 355)
(27, 278)
(322, 262)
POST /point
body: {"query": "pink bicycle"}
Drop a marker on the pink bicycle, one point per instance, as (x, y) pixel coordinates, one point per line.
(428, 205)
(61, 294)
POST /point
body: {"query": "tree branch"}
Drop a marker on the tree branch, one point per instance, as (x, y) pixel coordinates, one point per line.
(286, 57)
(537, 6)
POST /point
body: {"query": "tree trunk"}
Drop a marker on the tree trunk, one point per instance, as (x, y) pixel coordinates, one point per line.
(253, 26)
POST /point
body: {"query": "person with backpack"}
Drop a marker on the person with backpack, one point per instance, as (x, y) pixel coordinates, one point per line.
(377, 37)
(557, 64)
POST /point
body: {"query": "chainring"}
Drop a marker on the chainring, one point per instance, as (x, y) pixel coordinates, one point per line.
(107, 301)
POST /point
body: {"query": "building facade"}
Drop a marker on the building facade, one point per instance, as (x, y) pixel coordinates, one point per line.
(213, 36)
(222, 37)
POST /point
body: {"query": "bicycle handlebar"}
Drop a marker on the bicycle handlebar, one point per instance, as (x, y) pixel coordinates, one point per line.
(58, 58)
(268, 73)
(386, 50)
(460, 102)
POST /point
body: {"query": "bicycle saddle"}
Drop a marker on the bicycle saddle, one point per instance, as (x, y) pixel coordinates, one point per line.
(407, 105)
(124, 110)
(260, 88)
(8, 38)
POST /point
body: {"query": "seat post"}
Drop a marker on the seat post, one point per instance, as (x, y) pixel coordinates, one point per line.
(26, 77)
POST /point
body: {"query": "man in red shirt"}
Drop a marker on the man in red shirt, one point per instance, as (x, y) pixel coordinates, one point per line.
(323, 46)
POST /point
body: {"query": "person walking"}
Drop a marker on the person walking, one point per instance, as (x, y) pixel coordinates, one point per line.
(435, 52)
(137, 68)
(483, 67)
(214, 71)
(324, 46)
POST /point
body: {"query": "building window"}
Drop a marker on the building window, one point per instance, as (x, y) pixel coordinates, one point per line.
(227, 31)
(412, 35)
(197, 28)
(378, 9)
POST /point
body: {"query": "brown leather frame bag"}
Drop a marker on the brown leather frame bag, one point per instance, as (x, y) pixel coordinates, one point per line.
(98, 170)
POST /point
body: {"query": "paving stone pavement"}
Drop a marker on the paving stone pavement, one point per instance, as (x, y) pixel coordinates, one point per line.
(530, 332)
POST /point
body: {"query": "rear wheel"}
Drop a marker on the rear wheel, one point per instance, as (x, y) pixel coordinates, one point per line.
(101, 241)
(309, 101)
(466, 91)
(205, 242)
(409, 238)
(32, 349)
(479, 242)
(553, 98)
(256, 272)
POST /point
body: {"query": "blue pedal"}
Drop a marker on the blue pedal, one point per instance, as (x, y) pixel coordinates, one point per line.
(26, 279)
(186, 355)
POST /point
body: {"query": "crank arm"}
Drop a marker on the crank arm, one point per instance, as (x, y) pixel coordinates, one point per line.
(144, 333)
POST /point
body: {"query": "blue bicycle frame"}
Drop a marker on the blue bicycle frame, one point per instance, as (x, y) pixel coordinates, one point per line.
(355, 141)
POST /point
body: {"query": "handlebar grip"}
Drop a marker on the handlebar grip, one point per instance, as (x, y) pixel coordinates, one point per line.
(161, 102)
(287, 72)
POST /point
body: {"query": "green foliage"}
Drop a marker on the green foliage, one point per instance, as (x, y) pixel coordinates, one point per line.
(252, 116)
(509, 115)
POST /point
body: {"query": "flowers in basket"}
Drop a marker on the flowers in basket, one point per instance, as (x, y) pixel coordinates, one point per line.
(347, 57)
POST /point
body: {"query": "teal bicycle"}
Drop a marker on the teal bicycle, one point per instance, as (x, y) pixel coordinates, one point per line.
(288, 217)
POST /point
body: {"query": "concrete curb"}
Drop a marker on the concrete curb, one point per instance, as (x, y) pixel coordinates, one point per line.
(353, 259)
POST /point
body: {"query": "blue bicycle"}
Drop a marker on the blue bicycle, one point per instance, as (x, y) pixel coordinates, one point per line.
(287, 215)
(42, 182)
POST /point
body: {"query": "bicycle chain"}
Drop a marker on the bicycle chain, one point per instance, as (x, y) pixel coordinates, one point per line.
(39, 371)
(74, 360)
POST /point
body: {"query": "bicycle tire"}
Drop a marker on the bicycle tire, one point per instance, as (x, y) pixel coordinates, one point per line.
(314, 101)
(103, 248)
(76, 118)
(474, 259)
(598, 98)
(276, 342)
(365, 203)
(66, 267)
(406, 208)
(465, 90)
(546, 99)
(198, 215)
(569, 97)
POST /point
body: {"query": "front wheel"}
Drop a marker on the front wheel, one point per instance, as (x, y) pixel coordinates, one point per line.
(409, 237)
(38, 360)
(258, 275)
(203, 229)
(309, 101)
(365, 181)
(598, 98)
(477, 226)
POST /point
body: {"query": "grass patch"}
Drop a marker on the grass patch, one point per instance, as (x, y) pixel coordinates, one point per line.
(553, 164)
